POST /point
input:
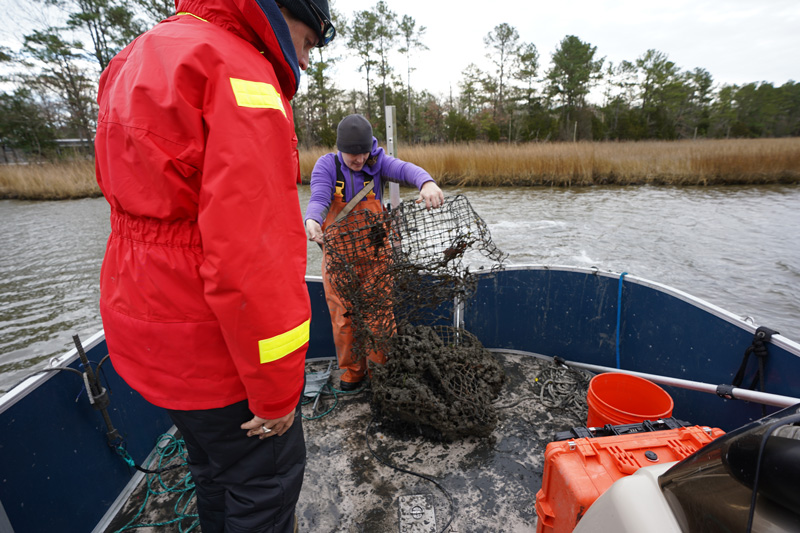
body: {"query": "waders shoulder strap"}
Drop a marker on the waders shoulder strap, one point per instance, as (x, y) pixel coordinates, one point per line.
(353, 201)
(339, 189)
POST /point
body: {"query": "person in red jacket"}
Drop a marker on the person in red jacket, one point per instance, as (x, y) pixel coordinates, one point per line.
(202, 289)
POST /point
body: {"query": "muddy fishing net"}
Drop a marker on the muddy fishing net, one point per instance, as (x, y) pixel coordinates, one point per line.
(399, 273)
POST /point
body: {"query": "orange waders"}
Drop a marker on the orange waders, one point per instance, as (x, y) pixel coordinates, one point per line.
(342, 325)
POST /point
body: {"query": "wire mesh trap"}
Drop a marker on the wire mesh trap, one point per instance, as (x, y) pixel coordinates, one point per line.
(398, 273)
(440, 381)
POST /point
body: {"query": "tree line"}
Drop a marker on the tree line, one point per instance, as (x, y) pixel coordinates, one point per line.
(51, 84)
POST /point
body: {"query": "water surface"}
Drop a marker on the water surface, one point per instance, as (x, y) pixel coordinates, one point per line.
(737, 247)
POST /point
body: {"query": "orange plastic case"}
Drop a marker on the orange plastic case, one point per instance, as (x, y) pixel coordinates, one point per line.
(578, 471)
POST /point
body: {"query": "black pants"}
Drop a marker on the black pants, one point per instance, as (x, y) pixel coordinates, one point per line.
(243, 484)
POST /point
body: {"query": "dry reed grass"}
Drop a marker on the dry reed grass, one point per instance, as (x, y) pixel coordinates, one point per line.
(49, 181)
(703, 162)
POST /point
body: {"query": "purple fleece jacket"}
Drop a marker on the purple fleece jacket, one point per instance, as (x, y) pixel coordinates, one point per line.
(323, 179)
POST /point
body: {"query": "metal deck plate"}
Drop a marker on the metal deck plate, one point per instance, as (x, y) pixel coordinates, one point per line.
(417, 514)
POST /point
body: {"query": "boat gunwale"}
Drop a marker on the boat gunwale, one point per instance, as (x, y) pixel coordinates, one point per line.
(39, 377)
(22, 389)
(720, 312)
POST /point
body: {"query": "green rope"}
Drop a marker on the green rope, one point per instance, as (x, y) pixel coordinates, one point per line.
(169, 448)
(326, 390)
(122, 452)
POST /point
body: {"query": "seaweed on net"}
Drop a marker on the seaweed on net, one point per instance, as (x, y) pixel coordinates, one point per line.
(439, 381)
(399, 273)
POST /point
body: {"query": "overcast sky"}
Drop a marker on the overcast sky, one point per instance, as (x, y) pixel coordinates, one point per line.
(737, 41)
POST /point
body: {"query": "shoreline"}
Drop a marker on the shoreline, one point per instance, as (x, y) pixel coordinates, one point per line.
(650, 181)
(699, 163)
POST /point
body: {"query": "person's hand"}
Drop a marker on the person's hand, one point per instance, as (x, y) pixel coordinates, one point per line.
(314, 231)
(431, 194)
(278, 426)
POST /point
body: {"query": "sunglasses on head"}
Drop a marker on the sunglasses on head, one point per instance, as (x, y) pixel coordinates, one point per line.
(328, 31)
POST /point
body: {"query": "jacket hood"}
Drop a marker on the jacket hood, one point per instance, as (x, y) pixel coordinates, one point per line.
(259, 22)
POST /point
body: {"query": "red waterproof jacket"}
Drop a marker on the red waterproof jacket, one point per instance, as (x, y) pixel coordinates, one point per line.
(203, 297)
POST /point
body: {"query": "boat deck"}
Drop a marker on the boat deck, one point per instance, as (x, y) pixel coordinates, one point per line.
(479, 482)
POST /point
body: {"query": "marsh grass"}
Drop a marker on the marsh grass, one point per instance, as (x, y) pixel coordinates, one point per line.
(705, 162)
(702, 162)
(49, 181)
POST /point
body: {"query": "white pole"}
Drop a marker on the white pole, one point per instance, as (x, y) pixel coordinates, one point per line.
(391, 149)
(765, 398)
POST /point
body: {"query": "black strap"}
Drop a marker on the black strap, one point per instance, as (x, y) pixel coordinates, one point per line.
(340, 178)
(759, 348)
(339, 175)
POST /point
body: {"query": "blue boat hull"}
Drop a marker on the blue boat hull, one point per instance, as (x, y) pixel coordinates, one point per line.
(59, 473)
(573, 314)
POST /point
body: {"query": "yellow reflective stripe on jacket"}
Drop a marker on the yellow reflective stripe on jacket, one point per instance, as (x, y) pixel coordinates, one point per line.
(191, 15)
(256, 94)
(282, 345)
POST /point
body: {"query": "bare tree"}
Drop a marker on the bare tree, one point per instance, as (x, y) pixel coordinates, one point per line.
(385, 37)
(61, 73)
(527, 69)
(362, 40)
(110, 25)
(504, 40)
(322, 92)
(412, 37)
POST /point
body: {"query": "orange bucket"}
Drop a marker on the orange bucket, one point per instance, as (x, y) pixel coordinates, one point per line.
(624, 399)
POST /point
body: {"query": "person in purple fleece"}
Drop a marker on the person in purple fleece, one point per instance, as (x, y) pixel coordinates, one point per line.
(336, 178)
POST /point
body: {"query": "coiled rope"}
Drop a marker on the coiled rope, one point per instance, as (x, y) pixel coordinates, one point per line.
(326, 390)
(170, 449)
(563, 388)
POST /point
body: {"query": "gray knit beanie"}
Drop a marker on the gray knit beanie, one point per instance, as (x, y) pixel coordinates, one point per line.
(354, 135)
